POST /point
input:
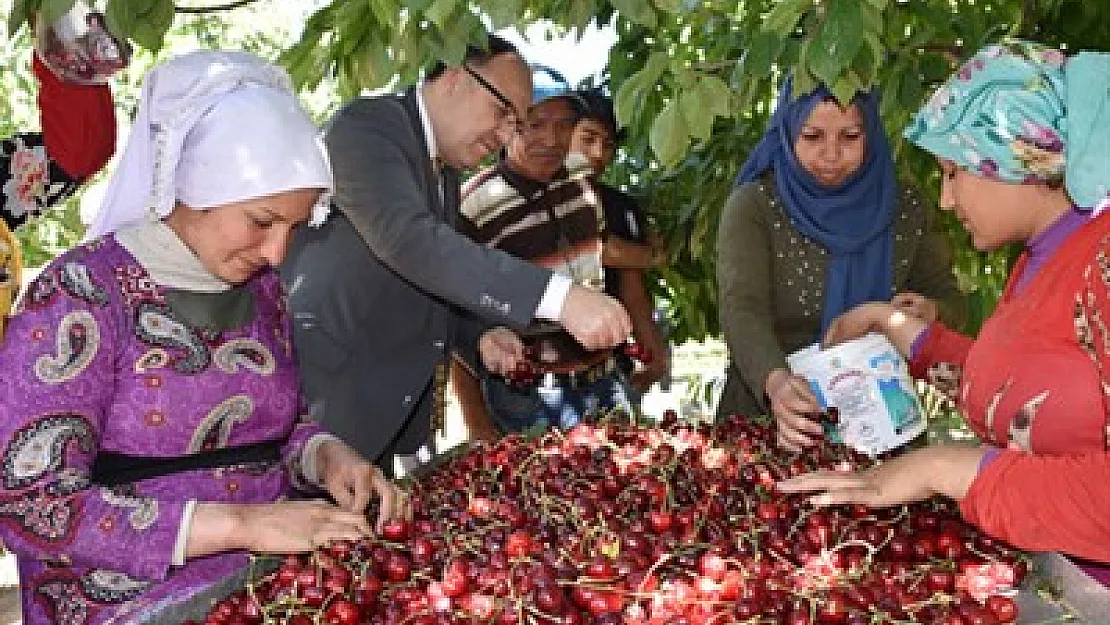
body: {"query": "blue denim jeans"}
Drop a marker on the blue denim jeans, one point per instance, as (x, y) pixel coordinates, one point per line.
(519, 409)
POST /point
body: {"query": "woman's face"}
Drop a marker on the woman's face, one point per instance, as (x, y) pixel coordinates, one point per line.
(235, 241)
(993, 212)
(831, 143)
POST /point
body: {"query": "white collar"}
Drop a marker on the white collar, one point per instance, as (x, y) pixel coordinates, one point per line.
(167, 259)
(426, 123)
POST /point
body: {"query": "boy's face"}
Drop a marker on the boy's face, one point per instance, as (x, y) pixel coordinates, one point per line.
(592, 139)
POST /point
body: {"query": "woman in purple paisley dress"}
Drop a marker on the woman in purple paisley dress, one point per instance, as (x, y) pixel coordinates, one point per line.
(153, 432)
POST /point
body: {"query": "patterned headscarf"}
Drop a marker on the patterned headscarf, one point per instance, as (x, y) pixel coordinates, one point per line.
(1025, 113)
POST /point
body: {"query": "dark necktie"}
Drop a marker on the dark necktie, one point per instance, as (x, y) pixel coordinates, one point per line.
(449, 193)
(449, 196)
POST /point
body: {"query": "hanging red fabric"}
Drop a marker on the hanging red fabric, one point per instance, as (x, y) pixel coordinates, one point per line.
(78, 123)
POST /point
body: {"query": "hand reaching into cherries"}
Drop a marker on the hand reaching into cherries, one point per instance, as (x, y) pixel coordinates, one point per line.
(527, 370)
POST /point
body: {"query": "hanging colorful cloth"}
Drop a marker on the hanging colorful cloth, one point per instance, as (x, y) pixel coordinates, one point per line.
(11, 273)
(41, 169)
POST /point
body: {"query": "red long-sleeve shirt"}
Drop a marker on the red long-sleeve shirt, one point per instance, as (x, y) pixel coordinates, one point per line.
(1036, 383)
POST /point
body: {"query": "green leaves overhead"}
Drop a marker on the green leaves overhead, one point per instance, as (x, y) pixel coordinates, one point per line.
(668, 132)
(21, 10)
(783, 18)
(144, 22)
(51, 10)
(639, 11)
(838, 40)
(694, 82)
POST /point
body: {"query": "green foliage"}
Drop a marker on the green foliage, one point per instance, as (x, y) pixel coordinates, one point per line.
(44, 237)
(694, 82)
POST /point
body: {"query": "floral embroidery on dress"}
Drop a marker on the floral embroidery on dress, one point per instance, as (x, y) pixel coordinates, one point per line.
(39, 448)
(77, 343)
(157, 325)
(137, 286)
(155, 358)
(246, 353)
(78, 283)
(1021, 426)
(45, 519)
(215, 429)
(144, 510)
(41, 290)
(106, 586)
(63, 599)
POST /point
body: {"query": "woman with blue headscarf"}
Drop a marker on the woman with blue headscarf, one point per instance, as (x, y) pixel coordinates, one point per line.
(1022, 136)
(816, 225)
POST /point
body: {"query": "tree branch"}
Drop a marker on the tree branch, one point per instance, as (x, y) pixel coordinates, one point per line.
(214, 8)
(953, 53)
(1028, 26)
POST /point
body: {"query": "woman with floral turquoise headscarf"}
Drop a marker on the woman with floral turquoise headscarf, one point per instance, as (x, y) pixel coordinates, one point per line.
(817, 224)
(1022, 135)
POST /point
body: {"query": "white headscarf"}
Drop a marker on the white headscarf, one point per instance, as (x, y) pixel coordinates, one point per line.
(213, 127)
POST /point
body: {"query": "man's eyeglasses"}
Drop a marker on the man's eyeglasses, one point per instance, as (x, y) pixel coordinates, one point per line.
(509, 113)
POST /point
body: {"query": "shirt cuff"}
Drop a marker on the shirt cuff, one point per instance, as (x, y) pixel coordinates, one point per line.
(918, 341)
(988, 457)
(183, 532)
(551, 304)
(310, 469)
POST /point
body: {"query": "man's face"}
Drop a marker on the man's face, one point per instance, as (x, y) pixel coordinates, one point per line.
(541, 146)
(488, 101)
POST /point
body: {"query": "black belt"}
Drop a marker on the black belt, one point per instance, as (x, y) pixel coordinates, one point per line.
(115, 469)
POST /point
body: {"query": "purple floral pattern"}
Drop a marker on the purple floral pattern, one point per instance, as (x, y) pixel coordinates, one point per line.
(143, 385)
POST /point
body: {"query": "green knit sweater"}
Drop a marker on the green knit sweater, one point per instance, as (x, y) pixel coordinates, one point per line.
(771, 282)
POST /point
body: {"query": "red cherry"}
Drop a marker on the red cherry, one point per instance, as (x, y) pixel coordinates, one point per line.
(518, 544)
(941, 581)
(1003, 608)
(398, 568)
(601, 569)
(311, 596)
(660, 521)
(396, 530)
(342, 612)
(455, 580)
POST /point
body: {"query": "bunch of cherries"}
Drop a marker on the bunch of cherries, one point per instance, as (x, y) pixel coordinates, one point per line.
(661, 524)
(528, 370)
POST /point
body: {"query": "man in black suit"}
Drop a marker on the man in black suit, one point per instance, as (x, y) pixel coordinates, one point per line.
(382, 291)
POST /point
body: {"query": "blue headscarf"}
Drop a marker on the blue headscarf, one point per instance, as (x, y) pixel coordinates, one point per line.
(852, 221)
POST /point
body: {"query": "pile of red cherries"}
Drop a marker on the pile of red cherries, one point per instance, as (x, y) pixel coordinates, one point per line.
(665, 523)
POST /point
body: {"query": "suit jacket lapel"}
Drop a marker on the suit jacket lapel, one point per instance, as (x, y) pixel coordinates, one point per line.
(445, 183)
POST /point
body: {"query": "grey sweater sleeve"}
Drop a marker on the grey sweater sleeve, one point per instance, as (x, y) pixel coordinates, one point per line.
(744, 285)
